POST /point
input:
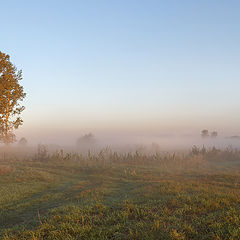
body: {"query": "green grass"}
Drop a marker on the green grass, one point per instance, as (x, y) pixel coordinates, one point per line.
(122, 196)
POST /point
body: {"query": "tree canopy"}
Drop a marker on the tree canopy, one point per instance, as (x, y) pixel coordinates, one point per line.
(11, 94)
(205, 133)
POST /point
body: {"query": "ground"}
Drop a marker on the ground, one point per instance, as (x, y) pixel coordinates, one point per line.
(121, 196)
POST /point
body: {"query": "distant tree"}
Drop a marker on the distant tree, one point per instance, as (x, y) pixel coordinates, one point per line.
(214, 134)
(204, 133)
(11, 93)
(22, 142)
(86, 140)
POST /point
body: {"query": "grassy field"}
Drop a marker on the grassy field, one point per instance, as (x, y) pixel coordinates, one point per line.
(121, 196)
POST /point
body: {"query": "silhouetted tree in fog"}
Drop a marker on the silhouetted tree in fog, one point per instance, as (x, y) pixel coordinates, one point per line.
(86, 141)
(214, 134)
(204, 133)
(22, 142)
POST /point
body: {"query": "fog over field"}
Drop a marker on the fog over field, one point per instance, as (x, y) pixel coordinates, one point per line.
(127, 143)
(119, 120)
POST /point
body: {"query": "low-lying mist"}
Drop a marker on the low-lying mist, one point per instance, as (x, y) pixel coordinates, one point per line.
(121, 144)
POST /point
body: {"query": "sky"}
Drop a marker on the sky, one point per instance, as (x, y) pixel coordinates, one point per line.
(130, 66)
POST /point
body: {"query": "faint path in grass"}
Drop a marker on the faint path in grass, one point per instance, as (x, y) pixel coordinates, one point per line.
(112, 187)
(25, 212)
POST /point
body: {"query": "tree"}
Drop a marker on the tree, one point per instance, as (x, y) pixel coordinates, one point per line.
(11, 93)
(214, 134)
(205, 133)
(22, 142)
(86, 141)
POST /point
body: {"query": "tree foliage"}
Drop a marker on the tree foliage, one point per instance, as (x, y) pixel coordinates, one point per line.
(11, 93)
(87, 140)
(205, 133)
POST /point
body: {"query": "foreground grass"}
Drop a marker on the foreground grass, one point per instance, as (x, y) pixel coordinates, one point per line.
(127, 197)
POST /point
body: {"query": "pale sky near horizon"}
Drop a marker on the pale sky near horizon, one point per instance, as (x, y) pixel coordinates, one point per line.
(134, 66)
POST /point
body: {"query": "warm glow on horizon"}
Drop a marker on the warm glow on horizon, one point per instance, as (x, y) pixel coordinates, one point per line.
(128, 68)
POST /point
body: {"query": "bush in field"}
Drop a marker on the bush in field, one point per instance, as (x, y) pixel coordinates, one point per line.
(42, 152)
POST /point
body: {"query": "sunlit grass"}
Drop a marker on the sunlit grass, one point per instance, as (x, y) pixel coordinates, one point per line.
(122, 196)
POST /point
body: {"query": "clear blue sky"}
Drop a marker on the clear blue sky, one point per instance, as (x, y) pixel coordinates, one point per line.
(129, 65)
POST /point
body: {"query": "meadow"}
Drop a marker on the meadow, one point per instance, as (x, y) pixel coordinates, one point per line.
(110, 195)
